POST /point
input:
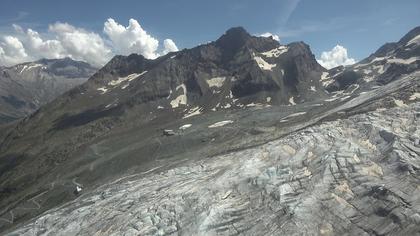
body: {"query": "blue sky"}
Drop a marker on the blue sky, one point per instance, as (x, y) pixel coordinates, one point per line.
(359, 26)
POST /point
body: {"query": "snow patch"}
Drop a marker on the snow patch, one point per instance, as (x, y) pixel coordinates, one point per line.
(403, 61)
(254, 105)
(367, 71)
(400, 103)
(344, 98)
(331, 99)
(181, 99)
(354, 88)
(294, 115)
(268, 99)
(34, 66)
(127, 78)
(220, 123)
(325, 79)
(379, 69)
(414, 96)
(292, 101)
(415, 40)
(231, 94)
(276, 52)
(315, 105)
(372, 61)
(193, 112)
(216, 82)
(263, 64)
(23, 69)
(26, 67)
(227, 105)
(184, 127)
(368, 78)
(103, 90)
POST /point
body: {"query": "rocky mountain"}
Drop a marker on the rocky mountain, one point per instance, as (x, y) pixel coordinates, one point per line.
(388, 63)
(242, 135)
(26, 87)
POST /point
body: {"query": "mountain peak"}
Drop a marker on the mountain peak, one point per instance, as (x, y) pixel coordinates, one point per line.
(238, 31)
(233, 38)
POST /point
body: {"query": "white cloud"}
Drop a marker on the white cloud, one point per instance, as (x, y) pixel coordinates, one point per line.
(39, 48)
(134, 39)
(12, 50)
(268, 34)
(66, 40)
(81, 44)
(131, 39)
(336, 57)
(169, 46)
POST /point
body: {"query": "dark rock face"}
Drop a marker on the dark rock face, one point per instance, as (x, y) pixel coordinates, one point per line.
(146, 129)
(343, 80)
(26, 87)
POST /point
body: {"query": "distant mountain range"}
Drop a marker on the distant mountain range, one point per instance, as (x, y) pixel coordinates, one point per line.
(240, 135)
(26, 87)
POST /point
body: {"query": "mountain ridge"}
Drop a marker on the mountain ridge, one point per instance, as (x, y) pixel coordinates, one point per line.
(27, 86)
(214, 99)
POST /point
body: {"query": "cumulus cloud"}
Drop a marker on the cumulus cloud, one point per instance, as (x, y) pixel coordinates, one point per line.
(81, 44)
(169, 46)
(37, 47)
(268, 34)
(12, 50)
(336, 57)
(131, 39)
(134, 39)
(66, 40)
